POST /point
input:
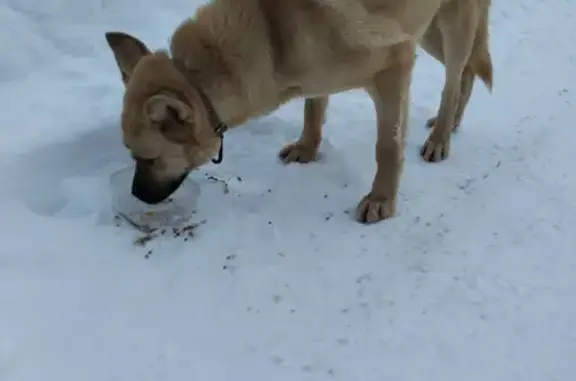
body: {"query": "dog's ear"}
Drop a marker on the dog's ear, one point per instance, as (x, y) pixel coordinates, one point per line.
(127, 51)
(174, 117)
(160, 108)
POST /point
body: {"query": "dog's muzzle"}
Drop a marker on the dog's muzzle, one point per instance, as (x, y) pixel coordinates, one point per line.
(147, 189)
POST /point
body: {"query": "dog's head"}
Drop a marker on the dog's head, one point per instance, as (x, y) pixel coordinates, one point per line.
(166, 124)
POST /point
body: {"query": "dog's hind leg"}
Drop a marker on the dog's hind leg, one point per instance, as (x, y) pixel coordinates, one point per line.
(479, 64)
(466, 86)
(305, 148)
(480, 61)
(457, 24)
(432, 44)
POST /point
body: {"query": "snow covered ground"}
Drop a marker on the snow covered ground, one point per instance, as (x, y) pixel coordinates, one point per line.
(475, 279)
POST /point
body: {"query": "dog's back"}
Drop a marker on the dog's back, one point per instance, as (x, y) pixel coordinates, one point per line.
(316, 46)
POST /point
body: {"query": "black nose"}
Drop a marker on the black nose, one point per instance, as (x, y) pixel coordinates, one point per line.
(147, 189)
(148, 194)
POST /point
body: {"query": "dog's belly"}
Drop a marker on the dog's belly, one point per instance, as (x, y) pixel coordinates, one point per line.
(320, 84)
(329, 77)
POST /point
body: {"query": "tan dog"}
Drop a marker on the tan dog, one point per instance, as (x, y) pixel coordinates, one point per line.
(238, 59)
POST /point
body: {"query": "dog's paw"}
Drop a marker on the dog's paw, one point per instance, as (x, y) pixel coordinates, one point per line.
(432, 123)
(298, 152)
(434, 151)
(373, 209)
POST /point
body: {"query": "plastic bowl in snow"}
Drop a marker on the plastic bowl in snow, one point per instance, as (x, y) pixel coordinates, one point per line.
(176, 210)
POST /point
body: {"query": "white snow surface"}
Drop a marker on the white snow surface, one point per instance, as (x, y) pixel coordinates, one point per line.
(474, 279)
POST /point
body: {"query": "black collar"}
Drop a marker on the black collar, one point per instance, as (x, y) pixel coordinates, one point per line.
(217, 124)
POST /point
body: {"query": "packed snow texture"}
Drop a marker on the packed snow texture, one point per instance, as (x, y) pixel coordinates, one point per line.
(474, 279)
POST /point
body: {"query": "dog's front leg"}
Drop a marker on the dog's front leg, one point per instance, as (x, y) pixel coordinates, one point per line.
(390, 91)
(305, 148)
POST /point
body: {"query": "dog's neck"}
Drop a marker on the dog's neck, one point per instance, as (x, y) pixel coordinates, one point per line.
(224, 64)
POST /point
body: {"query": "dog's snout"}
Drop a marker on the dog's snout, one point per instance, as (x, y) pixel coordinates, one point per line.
(147, 189)
(147, 194)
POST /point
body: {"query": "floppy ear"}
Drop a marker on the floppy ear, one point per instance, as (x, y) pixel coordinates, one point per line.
(160, 108)
(176, 118)
(127, 51)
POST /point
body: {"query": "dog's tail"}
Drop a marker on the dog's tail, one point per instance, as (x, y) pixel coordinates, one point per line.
(481, 61)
